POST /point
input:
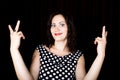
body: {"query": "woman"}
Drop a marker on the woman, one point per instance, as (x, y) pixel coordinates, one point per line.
(58, 59)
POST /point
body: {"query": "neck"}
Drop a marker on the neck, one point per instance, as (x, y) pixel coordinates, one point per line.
(60, 45)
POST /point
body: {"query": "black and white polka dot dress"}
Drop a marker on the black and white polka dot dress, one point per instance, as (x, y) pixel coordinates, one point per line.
(55, 67)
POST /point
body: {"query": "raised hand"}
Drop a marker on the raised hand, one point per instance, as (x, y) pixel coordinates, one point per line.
(101, 42)
(15, 36)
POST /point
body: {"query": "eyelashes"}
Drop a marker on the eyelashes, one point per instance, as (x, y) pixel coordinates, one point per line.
(54, 25)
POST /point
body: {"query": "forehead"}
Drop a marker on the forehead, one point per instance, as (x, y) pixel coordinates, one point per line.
(58, 17)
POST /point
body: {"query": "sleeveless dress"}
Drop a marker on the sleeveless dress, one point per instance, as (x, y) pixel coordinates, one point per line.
(54, 67)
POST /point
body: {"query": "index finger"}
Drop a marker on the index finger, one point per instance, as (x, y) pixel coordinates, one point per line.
(103, 31)
(10, 29)
(17, 25)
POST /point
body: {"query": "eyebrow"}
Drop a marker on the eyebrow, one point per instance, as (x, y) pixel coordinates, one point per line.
(60, 22)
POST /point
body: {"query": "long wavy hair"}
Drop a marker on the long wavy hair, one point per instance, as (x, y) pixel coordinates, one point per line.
(71, 35)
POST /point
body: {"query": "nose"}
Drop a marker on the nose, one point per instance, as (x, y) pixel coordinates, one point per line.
(57, 28)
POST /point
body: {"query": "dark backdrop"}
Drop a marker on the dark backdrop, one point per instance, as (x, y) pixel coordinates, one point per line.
(89, 17)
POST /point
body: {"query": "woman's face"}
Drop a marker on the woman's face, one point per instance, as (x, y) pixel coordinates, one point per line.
(59, 28)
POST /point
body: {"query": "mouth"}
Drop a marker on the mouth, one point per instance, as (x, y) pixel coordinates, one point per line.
(58, 34)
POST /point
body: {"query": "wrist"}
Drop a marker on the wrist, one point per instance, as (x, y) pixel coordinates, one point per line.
(13, 49)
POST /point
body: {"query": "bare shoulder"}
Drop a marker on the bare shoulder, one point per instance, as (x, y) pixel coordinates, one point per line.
(80, 69)
(81, 59)
(36, 53)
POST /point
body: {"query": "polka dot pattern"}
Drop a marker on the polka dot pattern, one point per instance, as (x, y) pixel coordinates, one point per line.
(55, 67)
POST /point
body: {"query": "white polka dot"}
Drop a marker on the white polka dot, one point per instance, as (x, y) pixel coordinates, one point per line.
(60, 75)
(50, 75)
(63, 78)
(48, 72)
(46, 77)
(63, 73)
(66, 76)
(44, 74)
(56, 77)
(54, 74)
(51, 70)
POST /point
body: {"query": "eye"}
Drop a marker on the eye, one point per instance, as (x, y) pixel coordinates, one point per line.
(52, 25)
(62, 25)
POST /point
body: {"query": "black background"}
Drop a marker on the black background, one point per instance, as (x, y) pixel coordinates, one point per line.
(89, 17)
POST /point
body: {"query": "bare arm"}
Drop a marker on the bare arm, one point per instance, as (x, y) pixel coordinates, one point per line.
(35, 65)
(80, 69)
(95, 68)
(20, 68)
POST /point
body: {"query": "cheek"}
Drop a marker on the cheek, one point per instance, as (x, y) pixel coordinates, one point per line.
(51, 31)
(65, 31)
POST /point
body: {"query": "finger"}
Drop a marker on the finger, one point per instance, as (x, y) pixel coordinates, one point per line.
(17, 25)
(21, 35)
(10, 29)
(96, 40)
(103, 32)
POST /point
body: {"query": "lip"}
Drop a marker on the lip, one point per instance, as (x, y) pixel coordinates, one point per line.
(58, 34)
